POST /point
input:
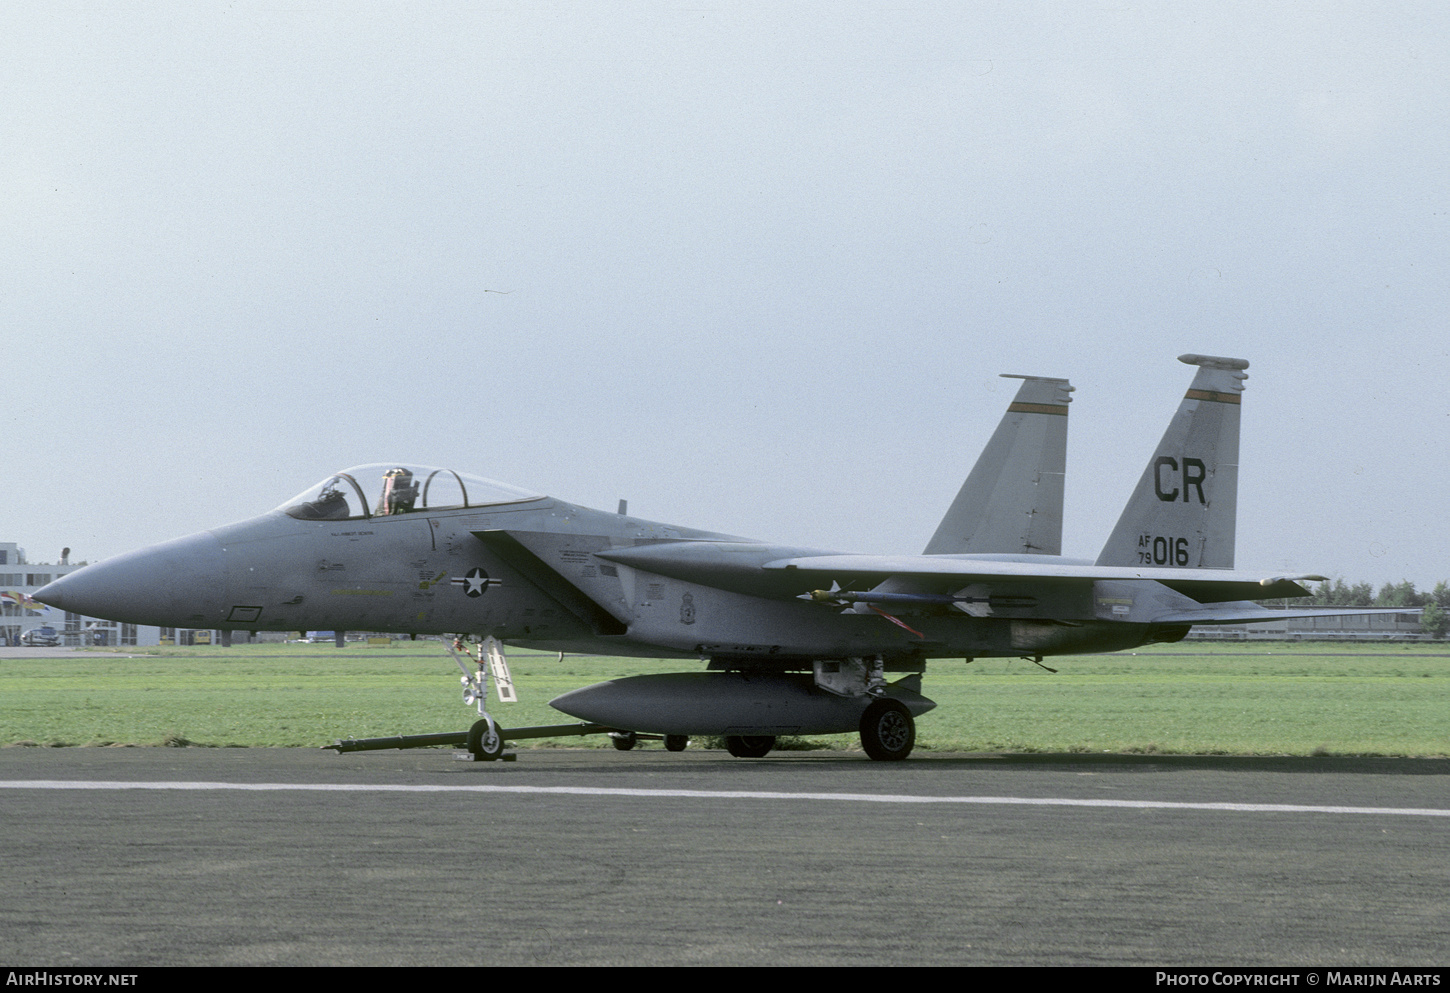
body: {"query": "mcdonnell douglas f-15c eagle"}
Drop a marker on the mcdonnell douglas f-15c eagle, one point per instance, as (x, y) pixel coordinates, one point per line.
(797, 640)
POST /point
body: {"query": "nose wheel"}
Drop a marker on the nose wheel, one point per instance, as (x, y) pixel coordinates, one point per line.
(484, 741)
(888, 731)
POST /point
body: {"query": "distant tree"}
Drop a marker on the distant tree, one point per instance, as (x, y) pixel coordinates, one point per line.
(1434, 619)
(1401, 594)
(1441, 594)
(1361, 595)
(1340, 595)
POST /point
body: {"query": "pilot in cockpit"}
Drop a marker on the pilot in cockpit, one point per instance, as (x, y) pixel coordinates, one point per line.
(399, 493)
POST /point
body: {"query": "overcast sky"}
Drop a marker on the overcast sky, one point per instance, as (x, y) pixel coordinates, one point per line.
(755, 267)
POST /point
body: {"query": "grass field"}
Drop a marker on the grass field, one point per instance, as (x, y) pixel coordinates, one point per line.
(1243, 699)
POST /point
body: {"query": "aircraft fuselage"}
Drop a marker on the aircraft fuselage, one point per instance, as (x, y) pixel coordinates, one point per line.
(547, 574)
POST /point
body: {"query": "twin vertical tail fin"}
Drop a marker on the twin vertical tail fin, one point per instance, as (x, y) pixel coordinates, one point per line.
(1012, 500)
(1183, 512)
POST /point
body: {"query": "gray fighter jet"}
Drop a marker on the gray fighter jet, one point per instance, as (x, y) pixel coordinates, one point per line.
(794, 640)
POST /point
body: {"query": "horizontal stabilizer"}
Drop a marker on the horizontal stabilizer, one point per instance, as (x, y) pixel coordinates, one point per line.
(1249, 613)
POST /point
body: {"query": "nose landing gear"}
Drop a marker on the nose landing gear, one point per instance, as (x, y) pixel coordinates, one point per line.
(485, 743)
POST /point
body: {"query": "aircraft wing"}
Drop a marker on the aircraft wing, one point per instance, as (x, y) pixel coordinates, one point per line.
(779, 571)
(1203, 585)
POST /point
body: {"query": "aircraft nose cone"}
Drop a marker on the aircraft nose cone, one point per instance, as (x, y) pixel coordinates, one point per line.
(181, 583)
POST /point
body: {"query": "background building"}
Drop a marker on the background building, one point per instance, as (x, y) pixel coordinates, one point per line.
(20, 613)
(1401, 626)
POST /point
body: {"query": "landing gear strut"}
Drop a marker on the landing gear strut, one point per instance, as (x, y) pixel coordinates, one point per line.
(485, 741)
(888, 731)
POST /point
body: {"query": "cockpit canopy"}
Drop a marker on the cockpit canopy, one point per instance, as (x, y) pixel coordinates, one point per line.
(385, 489)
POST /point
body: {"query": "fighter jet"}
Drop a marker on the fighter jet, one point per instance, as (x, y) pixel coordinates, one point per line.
(794, 640)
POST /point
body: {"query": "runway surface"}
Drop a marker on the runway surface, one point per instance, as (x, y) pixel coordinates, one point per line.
(583, 857)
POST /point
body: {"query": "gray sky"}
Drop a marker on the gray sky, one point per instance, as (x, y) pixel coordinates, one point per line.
(754, 267)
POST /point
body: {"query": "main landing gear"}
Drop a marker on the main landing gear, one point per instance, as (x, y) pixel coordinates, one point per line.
(888, 732)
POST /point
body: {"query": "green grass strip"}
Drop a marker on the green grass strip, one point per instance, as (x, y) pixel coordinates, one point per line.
(1237, 699)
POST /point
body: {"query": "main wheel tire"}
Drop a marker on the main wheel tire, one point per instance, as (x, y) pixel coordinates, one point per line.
(676, 742)
(484, 741)
(749, 746)
(624, 740)
(888, 732)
